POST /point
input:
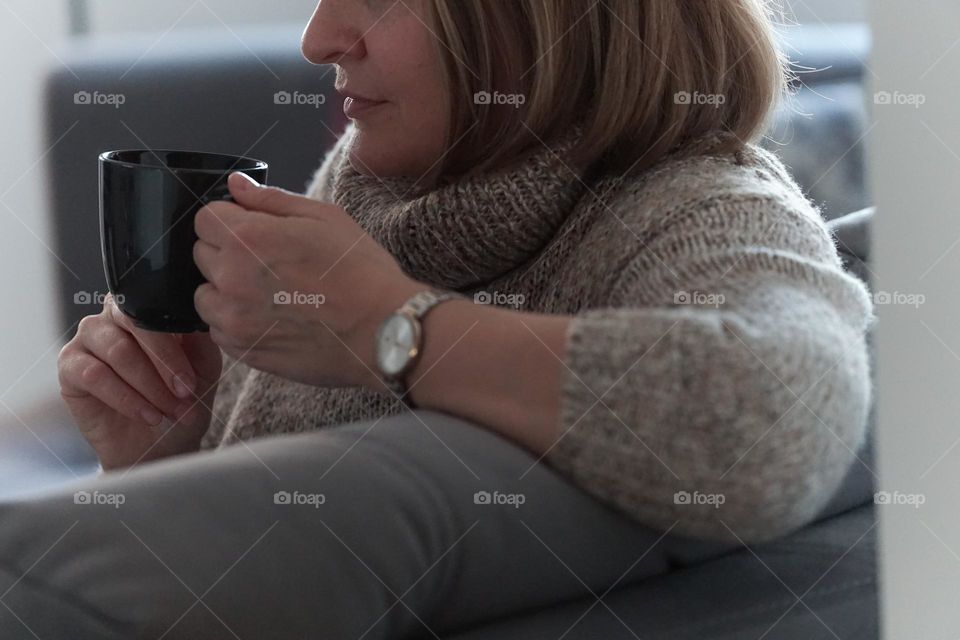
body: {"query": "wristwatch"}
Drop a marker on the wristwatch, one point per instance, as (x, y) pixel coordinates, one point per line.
(399, 340)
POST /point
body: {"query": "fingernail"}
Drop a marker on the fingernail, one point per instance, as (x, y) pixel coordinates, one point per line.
(182, 386)
(151, 416)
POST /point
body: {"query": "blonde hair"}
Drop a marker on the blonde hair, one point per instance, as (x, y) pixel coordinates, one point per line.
(641, 77)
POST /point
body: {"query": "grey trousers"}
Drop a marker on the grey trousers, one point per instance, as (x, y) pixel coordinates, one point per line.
(418, 525)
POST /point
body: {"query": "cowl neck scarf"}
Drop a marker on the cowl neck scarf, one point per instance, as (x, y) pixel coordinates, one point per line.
(471, 231)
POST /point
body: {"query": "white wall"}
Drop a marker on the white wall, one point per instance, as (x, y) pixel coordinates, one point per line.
(28, 343)
(150, 15)
(915, 157)
(827, 11)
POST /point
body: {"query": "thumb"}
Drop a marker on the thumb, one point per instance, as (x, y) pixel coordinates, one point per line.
(251, 195)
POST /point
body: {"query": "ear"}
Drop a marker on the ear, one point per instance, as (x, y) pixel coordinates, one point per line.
(251, 195)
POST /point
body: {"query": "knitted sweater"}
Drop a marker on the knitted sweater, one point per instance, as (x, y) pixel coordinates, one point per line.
(716, 352)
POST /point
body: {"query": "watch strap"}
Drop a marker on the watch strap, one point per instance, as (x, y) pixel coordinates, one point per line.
(417, 307)
(420, 303)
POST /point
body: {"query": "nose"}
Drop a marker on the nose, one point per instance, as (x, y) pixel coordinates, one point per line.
(332, 34)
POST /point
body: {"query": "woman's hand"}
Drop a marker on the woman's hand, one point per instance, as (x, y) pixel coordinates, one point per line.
(119, 384)
(296, 287)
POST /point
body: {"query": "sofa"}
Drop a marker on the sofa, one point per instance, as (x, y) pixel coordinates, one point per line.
(248, 92)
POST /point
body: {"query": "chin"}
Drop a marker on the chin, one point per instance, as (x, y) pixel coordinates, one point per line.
(380, 154)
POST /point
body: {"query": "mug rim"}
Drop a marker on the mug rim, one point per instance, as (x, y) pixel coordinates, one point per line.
(245, 163)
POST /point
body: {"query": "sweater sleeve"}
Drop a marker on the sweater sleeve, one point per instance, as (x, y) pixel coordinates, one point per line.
(733, 408)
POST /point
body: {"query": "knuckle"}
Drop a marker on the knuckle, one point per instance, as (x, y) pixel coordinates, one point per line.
(88, 324)
(200, 293)
(94, 373)
(66, 367)
(127, 401)
(122, 350)
(66, 352)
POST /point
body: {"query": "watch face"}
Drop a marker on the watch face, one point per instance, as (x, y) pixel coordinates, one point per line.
(396, 343)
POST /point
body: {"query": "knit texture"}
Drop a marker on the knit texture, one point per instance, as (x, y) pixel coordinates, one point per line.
(717, 349)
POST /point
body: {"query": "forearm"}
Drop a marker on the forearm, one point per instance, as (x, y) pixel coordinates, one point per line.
(493, 366)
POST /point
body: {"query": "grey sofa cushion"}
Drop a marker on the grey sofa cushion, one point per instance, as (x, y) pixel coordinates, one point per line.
(852, 235)
(819, 583)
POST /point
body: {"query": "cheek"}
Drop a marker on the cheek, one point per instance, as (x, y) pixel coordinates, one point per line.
(409, 136)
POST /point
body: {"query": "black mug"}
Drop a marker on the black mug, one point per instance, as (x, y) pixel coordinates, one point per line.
(148, 202)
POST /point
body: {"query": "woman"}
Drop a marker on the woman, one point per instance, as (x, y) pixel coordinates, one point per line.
(671, 333)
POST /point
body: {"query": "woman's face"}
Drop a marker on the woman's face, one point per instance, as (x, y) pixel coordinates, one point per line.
(391, 77)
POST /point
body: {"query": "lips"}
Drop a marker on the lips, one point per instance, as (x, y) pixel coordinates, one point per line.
(355, 106)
